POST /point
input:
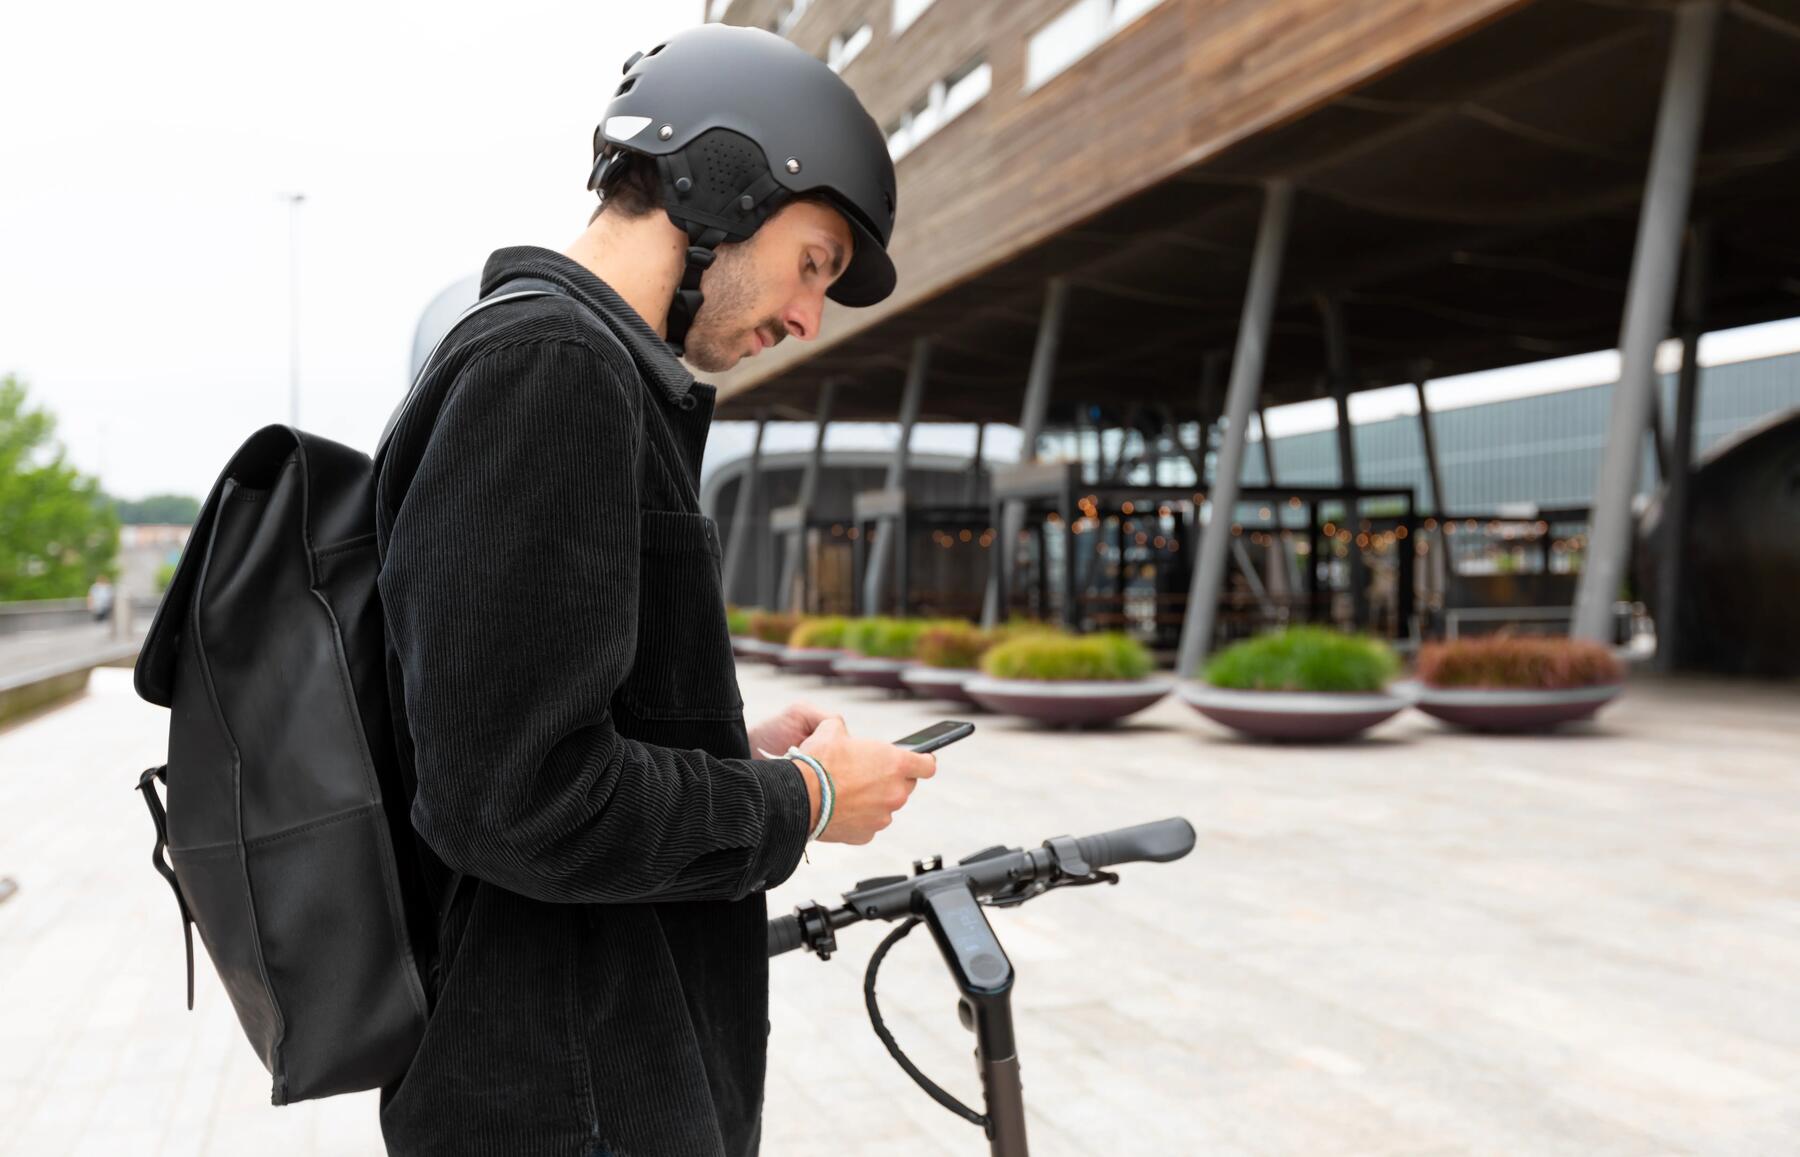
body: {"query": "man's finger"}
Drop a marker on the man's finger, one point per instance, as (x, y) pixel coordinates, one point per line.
(922, 766)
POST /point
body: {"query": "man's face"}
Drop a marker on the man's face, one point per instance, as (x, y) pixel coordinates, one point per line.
(759, 291)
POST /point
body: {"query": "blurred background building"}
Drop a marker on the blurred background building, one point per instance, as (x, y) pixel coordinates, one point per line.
(1127, 227)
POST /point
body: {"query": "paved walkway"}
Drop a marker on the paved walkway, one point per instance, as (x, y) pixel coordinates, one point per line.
(1425, 944)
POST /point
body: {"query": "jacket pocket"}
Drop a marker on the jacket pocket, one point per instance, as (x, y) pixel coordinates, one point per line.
(683, 668)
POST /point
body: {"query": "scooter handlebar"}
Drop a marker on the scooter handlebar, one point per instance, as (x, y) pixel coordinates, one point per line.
(991, 872)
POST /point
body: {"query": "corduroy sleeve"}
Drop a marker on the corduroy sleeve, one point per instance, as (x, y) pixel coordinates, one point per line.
(510, 589)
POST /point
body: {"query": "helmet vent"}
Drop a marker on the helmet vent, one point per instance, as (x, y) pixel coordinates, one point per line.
(629, 83)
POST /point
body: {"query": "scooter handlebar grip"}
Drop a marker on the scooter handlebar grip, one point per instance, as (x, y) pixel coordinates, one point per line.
(784, 934)
(1158, 841)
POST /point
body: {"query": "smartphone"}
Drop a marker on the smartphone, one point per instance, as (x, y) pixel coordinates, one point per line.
(938, 735)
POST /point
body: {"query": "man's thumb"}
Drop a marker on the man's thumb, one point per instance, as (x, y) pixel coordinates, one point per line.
(830, 727)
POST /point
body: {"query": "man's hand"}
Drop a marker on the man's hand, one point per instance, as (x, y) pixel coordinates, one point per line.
(777, 733)
(873, 780)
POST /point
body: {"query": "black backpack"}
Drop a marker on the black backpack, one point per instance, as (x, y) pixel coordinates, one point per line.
(288, 828)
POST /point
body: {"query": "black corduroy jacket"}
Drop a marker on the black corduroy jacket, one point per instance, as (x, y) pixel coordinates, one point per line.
(558, 640)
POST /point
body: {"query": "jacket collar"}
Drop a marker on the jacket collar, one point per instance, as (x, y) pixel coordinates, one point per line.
(655, 360)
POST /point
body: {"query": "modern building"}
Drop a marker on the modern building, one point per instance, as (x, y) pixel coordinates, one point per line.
(1159, 216)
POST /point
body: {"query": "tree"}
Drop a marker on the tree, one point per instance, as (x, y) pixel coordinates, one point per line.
(58, 532)
(158, 510)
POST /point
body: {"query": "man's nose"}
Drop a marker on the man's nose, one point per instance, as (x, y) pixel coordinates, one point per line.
(802, 316)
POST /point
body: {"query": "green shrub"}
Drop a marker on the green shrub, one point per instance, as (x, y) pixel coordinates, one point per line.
(825, 631)
(857, 632)
(1044, 654)
(897, 637)
(737, 620)
(957, 645)
(1304, 659)
(1537, 663)
(772, 626)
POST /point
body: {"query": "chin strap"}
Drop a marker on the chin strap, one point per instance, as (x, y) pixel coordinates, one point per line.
(687, 301)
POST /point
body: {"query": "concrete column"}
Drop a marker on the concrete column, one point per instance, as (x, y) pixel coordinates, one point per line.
(1337, 356)
(809, 488)
(1671, 562)
(972, 486)
(1439, 571)
(1429, 437)
(1648, 302)
(1268, 450)
(1038, 383)
(881, 551)
(1240, 399)
(744, 512)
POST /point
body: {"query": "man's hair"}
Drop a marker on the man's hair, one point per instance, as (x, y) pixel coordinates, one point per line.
(630, 190)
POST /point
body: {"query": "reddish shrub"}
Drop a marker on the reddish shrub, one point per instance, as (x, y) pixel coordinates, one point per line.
(1502, 661)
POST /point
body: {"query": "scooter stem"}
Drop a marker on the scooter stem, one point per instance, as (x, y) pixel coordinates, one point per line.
(984, 976)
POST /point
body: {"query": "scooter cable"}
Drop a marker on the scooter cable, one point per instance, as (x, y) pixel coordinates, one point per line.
(931, 1087)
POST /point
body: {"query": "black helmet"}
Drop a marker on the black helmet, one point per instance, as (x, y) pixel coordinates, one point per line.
(738, 122)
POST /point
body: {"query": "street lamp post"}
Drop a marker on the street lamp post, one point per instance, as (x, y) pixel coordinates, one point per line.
(294, 201)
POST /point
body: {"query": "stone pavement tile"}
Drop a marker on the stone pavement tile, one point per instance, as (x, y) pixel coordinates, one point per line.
(129, 1117)
(52, 1121)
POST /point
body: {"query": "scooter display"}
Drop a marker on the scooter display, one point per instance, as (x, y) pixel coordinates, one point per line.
(949, 901)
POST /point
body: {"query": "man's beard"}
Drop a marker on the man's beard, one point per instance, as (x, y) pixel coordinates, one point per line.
(716, 340)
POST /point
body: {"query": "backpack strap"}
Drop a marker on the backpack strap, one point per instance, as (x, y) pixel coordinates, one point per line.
(147, 784)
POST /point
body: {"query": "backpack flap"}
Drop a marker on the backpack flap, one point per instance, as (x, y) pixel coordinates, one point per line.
(257, 462)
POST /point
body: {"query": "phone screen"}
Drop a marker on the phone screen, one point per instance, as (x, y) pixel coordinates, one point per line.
(938, 735)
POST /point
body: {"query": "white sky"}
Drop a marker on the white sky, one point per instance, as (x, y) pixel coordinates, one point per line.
(144, 246)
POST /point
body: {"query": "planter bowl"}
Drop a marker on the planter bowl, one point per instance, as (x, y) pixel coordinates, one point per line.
(867, 672)
(808, 660)
(1511, 708)
(940, 682)
(1298, 716)
(755, 650)
(1074, 703)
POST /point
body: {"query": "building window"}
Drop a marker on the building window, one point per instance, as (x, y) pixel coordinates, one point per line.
(788, 15)
(942, 103)
(848, 45)
(907, 11)
(1076, 31)
(965, 86)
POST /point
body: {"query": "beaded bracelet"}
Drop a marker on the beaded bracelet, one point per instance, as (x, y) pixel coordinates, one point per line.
(827, 790)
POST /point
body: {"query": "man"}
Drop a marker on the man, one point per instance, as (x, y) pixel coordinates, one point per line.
(558, 635)
(100, 599)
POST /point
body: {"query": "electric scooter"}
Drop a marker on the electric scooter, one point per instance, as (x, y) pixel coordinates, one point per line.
(949, 901)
